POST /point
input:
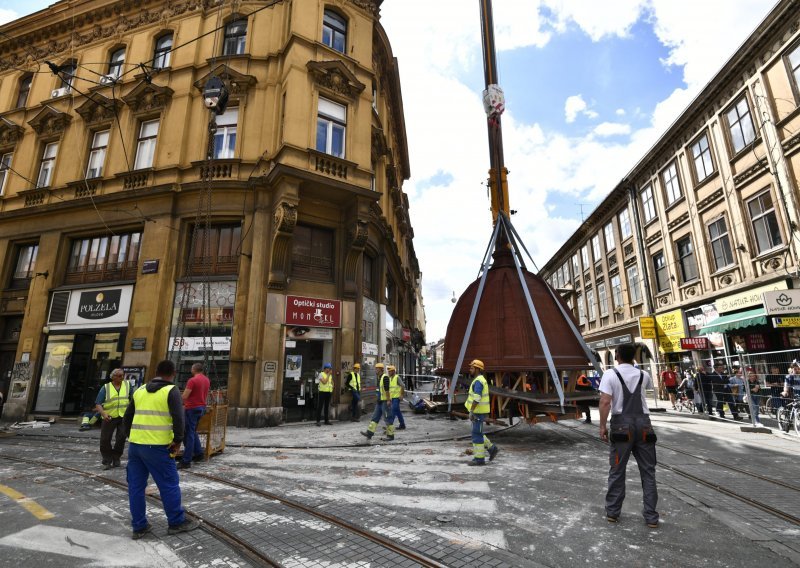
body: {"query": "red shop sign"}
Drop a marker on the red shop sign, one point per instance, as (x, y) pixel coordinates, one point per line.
(313, 312)
(694, 343)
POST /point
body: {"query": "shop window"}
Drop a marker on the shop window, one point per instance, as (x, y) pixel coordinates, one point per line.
(162, 51)
(25, 266)
(312, 253)
(24, 90)
(215, 251)
(104, 258)
(235, 36)
(334, 31)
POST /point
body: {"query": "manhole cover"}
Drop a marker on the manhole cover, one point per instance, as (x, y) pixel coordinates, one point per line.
(444, 518)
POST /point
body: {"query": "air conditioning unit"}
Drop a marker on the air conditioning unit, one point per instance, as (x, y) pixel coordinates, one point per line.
(108, 79)
(62, 92)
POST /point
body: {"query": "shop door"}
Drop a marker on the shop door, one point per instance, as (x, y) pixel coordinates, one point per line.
(6, 367)
(78, 383)
(302, 364)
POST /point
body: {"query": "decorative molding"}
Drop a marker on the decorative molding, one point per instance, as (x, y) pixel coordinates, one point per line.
(237, 83)
(285, 217)
(380, 146)
(336, 77)
(665, 300)
(726, 280)
(50, 122)
(678, 221)
(772, 264)
(357, 237)
(710, 200)
(147, 97)
(653, 239)
(628, 250)
(10, 133)
(329, 165)
(751, 172)
(371, 6)
(99, 109)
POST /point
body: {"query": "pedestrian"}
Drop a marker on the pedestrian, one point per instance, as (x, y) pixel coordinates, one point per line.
(397, 390)
(622, 394)
(112, 402)
(754, 384)
(478, 406)
(383, 407)
(669, 379)
(154, 421)
(194, 406)
(774, 383)
(354, 384)
(722, 390)
(791, 384)
(737, 387)
(583, 384)
(324, 392)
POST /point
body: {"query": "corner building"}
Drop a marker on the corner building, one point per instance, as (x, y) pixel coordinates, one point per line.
(704, 223)
(298, 228)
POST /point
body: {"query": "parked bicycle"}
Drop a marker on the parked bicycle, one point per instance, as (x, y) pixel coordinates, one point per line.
(789, 416)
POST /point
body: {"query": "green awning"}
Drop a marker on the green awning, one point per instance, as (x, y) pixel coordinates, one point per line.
(739, 320)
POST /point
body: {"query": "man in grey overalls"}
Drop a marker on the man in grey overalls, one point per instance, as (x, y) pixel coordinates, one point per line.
(622, 394)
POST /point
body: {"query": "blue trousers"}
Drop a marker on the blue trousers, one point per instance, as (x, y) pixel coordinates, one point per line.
(354, 411)
(191, 441)
(144, 461)
(396, 411)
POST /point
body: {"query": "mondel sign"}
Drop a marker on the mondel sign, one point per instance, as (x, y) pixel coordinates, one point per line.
(99, 304)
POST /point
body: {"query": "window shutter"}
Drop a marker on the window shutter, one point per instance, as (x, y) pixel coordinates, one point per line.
(58, 307)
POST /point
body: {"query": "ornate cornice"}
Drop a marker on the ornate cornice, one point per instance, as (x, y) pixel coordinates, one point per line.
(336, 77)
(285, 217)
(146, 97)
(10, 133)
(237, 83)
(98, 109)
(710, 200)
(50, 121)
(750, 172)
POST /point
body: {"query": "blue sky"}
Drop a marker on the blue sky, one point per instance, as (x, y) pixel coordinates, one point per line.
(590, 86)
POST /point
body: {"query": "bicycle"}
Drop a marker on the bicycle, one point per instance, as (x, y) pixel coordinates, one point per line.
(683, 402)
(789, 415)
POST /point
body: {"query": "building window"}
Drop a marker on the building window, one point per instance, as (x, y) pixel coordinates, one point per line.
(703, 163)
(616, 290)
(662, 276)
(793, 62)
(215, 250)
(740, 125)
(48, 165)
(67, 76)
(720, 244)
(162, 52)
(686, 260)
(590, 304)
(312, 253)
(367, 277)
(625, 224)
(671, 183)
(596, 248)
(100, 259)
(766, 231)
(634, 286)
(235, 35)
(375, 96)
(115, 63)
(585, 256)
(608, 230)
(146, 145)
(331, 127)
(581, 309)
(648, 204)
(5, 171)
(97, 155)
(26, 264)
(24, 90)
(576, 267)
(334, 31)
(225, 137)
(602, 296)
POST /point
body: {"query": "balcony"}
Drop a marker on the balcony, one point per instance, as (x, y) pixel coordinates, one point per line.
(329, 165)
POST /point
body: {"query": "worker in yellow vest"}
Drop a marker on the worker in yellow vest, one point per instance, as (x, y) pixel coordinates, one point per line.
(324, 391)
(354, 385)
(155, 424)
(112, 402)
(383, 407)
(397, 389)
(478, 406)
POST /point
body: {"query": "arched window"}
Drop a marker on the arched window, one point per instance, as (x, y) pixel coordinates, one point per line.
(24, 90)
(334, 31)
(115, 63)
(235, 35)
(162, 52)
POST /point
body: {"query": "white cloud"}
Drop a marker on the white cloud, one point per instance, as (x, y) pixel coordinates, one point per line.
(573, 106)
(7, 15)
(596, 19)
(620, 112)
(605, 129)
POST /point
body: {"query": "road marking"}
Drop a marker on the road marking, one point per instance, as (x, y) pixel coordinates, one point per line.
(103, 550)
(29, 504)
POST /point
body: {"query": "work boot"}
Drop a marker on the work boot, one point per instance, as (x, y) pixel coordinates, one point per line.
(184, 465)
(185, 526)
(318, 424)
(403, 427)
(387, 438)
(368, 434)
(493, 452)
(477, 462)
(136, 535)
(327, 424)
(107, 466)
(116, 462)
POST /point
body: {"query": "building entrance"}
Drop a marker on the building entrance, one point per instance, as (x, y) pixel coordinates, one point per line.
(306, 352)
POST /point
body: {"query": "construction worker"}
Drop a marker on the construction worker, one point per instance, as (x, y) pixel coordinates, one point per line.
(324, 391)
(354, 383)
(155, 423)
(478, 406)
(89, 419)
(383, 407)
(397, 390)
(584, 384)
(112, 402)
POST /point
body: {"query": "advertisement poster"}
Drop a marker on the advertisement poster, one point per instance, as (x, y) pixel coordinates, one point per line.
(294, 366)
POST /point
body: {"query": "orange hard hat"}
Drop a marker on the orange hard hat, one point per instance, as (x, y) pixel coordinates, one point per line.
(477, 363)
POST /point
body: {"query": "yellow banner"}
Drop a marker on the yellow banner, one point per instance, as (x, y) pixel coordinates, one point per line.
(670, 330)
(786, 322)
(647, 327)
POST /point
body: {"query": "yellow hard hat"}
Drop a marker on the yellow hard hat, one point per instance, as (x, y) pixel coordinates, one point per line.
(391, 368)
(477, 363)
(357, 366)
(381, 365)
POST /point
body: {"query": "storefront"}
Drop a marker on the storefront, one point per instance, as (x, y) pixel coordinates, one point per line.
(310, 326)
(85, 341)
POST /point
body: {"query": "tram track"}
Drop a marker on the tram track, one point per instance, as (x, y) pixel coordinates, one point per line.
(257, 556)
(783, 515)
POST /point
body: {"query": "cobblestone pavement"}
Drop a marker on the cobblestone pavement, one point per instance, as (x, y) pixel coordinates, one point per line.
(539, 504)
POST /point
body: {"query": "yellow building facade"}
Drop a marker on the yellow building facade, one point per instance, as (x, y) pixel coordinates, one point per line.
(122, 244)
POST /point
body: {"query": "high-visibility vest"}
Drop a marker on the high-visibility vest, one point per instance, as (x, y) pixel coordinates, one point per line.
(116, 401)
(394, 386)
(152, 422)
(482, 399)
(325, 387)
(383, 387)
(355, 381)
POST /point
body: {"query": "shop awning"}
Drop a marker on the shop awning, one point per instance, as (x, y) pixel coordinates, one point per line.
(739, 320)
